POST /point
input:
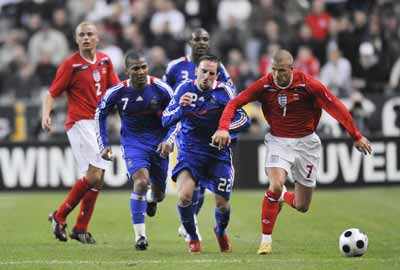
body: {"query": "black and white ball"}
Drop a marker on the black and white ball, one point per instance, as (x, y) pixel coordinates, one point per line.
(353, 243)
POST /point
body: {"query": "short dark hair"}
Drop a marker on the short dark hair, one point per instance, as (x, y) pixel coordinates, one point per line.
(198, 31)
(209, 57)
(132, 55)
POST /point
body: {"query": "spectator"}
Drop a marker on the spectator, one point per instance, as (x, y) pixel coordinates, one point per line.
(167, 19)
(307, 62)
(52, 41)
(157, 61)
(318, 20)
(336, 73)
(238, 9)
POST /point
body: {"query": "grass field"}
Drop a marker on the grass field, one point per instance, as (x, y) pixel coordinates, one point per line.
(301, 241)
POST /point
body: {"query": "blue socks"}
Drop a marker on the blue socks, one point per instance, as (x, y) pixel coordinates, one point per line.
(138, 205)
(187, 220)
(199, 199)
(222, 218)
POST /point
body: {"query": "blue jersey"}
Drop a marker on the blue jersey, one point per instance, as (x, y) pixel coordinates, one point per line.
(183, 69)
(200, 120)
(140, 112)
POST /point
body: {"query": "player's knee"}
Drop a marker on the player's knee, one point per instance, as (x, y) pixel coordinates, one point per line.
(140, 185)
(222, 203)
(95, 180)
(276, 187)
(185, 199)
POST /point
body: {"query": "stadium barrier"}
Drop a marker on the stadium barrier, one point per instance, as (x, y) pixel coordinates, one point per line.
(51, 166)
(342, 165)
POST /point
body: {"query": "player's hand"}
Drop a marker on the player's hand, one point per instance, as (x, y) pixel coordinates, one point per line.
(221, 138)
(107, 154)
(364, 146)
(186, 100)
(165, 149)
(46, 123)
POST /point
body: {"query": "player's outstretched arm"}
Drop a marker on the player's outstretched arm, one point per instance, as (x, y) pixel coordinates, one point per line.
(363, 145)
(47, 107)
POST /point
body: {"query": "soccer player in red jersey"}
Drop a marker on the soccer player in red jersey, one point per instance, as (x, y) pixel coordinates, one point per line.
(84, 76)
(291, 102)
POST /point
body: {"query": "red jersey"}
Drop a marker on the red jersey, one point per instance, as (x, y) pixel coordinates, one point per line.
(294, 111)
(85, 83)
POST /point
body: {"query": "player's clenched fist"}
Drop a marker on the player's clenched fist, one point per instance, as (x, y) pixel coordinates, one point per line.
(221, 138)
(186, 99)
(165, 149)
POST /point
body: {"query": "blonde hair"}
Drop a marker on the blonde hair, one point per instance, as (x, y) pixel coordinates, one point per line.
(84, 23)
(283, 56)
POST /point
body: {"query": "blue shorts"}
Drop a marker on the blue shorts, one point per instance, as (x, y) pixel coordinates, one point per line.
(138, 158)
(211, 173)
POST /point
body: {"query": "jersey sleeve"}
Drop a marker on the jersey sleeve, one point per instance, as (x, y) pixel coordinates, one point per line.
(241, 121)
(61, 80)
(331, 104)
(103, 109)
(252, 93)
(169, 76)
(113, 78)
(174, 112)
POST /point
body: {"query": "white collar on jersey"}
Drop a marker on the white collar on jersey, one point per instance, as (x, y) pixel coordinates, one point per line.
(128, 81)
(284, 87)
(87, 60)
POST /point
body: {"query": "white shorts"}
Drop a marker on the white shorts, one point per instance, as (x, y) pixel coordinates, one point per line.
(299, 157)
(83, 139)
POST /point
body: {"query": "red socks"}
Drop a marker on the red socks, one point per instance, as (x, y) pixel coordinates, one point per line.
(289, 198)
(270, 210)
(86, 211)
(74, 196)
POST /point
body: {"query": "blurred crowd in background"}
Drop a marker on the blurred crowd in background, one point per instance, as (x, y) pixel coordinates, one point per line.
(353, 46)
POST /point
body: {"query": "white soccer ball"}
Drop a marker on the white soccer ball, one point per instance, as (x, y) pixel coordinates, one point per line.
(353, 243)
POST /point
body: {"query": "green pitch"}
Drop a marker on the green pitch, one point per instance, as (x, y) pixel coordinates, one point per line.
(301, 241)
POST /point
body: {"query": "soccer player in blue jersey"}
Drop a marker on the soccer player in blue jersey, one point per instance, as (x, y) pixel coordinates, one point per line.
(197, 105)
(182, 69)
(145, 143)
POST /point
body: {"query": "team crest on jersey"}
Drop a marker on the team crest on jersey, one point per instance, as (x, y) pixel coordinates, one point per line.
(282, 100)
(154, 103)
(96, 75)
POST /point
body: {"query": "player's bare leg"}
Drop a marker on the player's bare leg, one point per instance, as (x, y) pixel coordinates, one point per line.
(186, 186)
(271, 207)
(138, 207)
(222, 216)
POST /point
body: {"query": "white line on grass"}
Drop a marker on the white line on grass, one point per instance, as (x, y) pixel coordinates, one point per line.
(199, 261)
